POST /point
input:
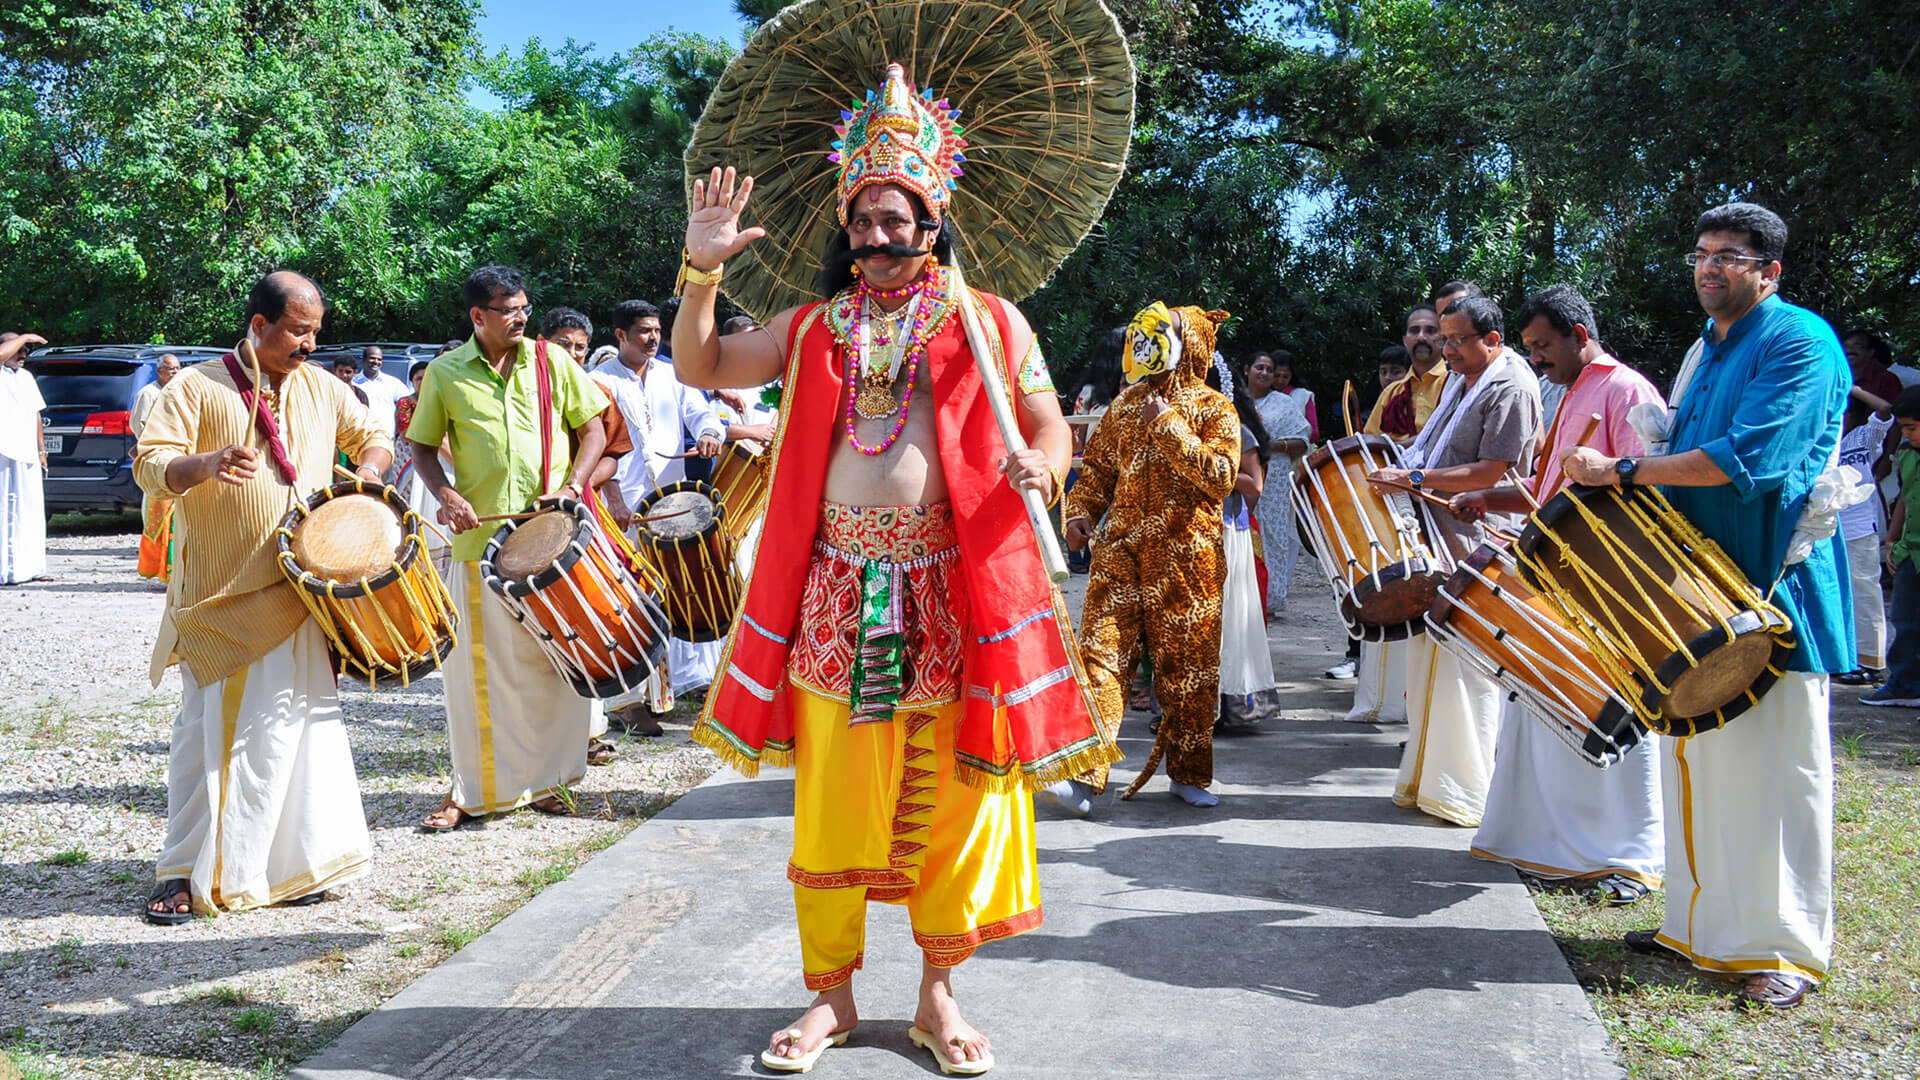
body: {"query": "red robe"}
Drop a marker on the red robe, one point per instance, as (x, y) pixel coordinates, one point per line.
(1020, 653)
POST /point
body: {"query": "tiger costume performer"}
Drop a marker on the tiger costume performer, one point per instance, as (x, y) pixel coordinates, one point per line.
(1154, 487)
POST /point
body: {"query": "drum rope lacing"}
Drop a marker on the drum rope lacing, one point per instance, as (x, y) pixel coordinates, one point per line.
(1542, 700)
(435, 605)
(1407, 517)
(1611, 644)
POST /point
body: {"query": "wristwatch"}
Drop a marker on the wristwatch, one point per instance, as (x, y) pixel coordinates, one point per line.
(1626, 467)
(1416, 476)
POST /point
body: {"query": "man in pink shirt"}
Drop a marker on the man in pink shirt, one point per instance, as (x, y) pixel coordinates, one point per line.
(1549, 813)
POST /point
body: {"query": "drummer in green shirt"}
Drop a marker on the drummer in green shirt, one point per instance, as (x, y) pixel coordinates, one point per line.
(516, 730)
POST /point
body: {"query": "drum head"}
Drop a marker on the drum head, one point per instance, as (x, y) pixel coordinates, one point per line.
(348, 538)
(534, 546)
(693, 514)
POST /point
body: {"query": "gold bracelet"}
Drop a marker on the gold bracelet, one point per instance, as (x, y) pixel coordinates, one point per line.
(1059, 485)
(693, 275)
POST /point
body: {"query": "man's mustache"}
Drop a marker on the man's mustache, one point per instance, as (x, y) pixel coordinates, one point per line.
(891, 251)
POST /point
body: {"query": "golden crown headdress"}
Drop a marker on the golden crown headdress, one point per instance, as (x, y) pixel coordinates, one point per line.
(899, 137)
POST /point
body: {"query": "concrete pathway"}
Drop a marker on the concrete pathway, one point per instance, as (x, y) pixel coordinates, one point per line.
(1305, 928)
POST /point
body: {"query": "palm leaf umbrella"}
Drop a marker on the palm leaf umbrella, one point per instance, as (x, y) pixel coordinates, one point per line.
(1045, 89)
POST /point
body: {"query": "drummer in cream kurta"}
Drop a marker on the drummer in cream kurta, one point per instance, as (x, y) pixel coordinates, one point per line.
(262, 803)
(1487, 421)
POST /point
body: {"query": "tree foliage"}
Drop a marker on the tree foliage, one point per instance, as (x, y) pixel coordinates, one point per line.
(1313, 167)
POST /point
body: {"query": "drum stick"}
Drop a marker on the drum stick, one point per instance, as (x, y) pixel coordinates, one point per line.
(996, 389)
(1348, 396)
(1447, 504)
(245, 351)
(1593, 425)
(525, 515)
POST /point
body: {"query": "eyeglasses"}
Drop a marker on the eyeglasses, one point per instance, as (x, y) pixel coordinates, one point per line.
(1725, 260)
(1456, 342)
(521, 310)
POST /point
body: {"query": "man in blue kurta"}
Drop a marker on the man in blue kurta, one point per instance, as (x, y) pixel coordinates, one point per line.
(1749, 808)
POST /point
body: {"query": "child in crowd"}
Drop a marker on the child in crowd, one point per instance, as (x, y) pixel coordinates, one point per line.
(1902, 687)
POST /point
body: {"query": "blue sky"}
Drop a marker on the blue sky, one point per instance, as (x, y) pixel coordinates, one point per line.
(610, 25)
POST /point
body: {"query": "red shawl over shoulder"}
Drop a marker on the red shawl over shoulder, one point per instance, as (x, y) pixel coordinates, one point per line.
(1020, 655)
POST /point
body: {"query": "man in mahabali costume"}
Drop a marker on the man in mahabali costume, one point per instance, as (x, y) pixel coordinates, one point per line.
(900, 644)
(1153, 477)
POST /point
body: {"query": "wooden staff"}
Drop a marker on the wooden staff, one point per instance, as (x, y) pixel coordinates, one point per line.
(996, 391)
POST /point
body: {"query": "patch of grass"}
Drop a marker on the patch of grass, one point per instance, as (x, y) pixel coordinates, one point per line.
(221, 994)
(1851, 744)
(456, 938)
(258, 1020)
(408, 951)
(73, 856)
(535, 879)
(123, 961)
(29, 1063)
(67, 955)
(121, 877)
(1669, 1022)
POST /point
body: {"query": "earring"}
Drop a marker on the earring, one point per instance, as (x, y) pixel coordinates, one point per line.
(856, 269)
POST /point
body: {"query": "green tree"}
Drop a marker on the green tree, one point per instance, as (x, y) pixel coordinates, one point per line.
(161, 155)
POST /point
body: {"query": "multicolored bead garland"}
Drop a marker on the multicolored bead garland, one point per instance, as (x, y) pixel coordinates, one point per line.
(916, 348)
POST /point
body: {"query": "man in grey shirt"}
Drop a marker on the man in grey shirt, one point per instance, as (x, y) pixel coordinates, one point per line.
(1488, 421)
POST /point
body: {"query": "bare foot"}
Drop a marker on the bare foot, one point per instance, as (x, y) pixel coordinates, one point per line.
(832, 1012)
(940, 1015)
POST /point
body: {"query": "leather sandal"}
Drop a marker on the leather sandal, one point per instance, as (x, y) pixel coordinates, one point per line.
(1773, 990)
(601, 752)
(1644, 942)
(446, 819)
(172, 893)
(1618, 890)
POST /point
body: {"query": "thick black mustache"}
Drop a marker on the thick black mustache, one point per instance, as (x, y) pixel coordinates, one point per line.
(876, 251)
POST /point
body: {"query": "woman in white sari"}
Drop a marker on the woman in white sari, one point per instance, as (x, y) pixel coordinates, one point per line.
(1288, 437)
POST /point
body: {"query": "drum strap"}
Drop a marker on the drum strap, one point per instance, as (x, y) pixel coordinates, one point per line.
(543, 401)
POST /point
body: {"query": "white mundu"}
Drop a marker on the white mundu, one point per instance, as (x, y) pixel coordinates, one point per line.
(516, 730)
(1453, 720)
(1246, 661)
(1380, 684)
(1553, 815)
(1750, 888)
(262, 803)
(23, 507)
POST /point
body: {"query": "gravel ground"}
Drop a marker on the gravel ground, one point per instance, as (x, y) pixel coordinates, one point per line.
(95, 991)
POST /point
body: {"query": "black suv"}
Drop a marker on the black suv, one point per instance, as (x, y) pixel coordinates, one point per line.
(89, 391)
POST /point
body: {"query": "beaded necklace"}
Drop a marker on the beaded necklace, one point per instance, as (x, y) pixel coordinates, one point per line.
(857, 370)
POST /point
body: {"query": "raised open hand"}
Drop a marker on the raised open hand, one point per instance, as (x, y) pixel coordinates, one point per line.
(714, 234)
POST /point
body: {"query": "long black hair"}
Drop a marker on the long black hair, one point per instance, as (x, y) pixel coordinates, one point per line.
(836, 267)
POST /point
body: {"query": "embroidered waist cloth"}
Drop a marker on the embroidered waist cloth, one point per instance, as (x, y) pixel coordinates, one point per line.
(882, 609)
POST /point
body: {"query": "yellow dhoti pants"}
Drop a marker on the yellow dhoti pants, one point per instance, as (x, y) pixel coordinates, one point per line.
(879, 815)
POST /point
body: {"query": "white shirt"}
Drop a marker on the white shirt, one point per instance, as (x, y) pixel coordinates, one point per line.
(660, 411)
(758, 411)
(143, 403)
(1860, 448)
(20, 406)
(382, 391)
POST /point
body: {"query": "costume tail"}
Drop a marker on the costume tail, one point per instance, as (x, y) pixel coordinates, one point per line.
(1153, 761)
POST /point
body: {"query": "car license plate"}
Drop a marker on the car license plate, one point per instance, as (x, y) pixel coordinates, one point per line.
(50, 443)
